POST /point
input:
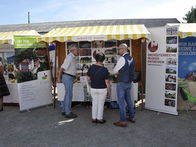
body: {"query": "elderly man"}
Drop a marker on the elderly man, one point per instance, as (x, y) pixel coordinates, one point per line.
(66, 74)
(125, 72)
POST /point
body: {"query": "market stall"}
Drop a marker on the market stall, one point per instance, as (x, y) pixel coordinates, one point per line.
(25, 69)
(93, 39)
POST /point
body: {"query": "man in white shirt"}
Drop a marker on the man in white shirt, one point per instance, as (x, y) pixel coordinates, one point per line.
(67, 73)
(125, 72)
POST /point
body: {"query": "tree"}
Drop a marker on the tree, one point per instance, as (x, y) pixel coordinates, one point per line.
(190, 17)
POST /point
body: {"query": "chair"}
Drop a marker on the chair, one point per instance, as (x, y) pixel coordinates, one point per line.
(187, 96)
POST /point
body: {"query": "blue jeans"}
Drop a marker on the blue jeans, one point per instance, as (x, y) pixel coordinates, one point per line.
(124, 95)
(68, 83)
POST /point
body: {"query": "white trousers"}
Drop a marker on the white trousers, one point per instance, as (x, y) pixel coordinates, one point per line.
(98, 96)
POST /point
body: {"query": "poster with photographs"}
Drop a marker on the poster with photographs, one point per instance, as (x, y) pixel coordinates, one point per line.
(31, 59)
(171, 66)
(88, 50)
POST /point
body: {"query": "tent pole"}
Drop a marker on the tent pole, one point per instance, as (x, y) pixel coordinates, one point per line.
(54, 79)
(142, 75)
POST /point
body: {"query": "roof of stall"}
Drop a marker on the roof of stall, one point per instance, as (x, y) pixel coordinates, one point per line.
(117, 32)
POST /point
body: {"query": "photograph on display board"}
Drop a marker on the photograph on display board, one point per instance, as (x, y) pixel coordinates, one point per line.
(70, 43)
(171, 40)
(85, 52)
(171, 61)
(96, 51)
(98, 44)
(30, 61)
(82, 68)
(169, 86)
(8, 59)
(77, 59)
(110, 51)
(172, 31)
(110, 43)
(171, 48)
(127, 42)
(110, 59)
(84, 44)
(170, 102)
(86, 60)
(170, 94)
(170, 78)
(171, 69)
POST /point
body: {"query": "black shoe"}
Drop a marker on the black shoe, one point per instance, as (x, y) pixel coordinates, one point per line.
(102, 121)
(71, 115)
(1, 109)
(63, 113)
(94, 120)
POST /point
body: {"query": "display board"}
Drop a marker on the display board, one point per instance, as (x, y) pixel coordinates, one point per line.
(32, 72)
(87, 52)
(162, 70)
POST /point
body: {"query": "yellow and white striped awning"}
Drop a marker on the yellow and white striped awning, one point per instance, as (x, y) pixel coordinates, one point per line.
(7, 37)
(89, 33)
(186, 30)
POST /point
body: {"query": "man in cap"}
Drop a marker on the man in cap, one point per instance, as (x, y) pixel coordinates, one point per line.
(66, 74)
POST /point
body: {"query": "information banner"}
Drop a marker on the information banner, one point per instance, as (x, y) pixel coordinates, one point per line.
(32, 72)
(161, 70)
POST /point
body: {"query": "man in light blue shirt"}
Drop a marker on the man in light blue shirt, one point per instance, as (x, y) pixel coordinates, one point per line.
(66, 75)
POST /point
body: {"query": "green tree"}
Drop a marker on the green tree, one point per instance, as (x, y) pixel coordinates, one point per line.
(190, 17)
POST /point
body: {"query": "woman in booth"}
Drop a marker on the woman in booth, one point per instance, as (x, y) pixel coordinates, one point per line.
(100, 87)
(3, 86)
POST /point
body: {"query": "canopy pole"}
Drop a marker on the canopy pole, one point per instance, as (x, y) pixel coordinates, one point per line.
(54, 79)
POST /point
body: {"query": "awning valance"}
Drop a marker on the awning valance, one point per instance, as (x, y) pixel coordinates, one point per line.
(7, 37)
(186, 30)
(117, 32)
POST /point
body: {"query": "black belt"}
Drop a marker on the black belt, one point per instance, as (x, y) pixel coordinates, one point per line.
(69, 74)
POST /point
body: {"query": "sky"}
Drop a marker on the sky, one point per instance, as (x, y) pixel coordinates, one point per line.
(16, 11)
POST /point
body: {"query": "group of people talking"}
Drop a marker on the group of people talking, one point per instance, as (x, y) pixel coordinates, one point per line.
(98, 76)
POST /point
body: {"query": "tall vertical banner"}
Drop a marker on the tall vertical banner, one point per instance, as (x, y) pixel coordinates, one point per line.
(162, 69)
(32, 72)
(187, 65)
(187, 59)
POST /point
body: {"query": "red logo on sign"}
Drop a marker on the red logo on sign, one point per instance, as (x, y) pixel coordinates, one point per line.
(153, 46)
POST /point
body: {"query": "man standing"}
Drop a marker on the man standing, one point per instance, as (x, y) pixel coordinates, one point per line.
(125, 72)
(66, 74)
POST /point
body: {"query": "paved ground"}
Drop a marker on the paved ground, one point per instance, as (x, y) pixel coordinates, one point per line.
(45, 127)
